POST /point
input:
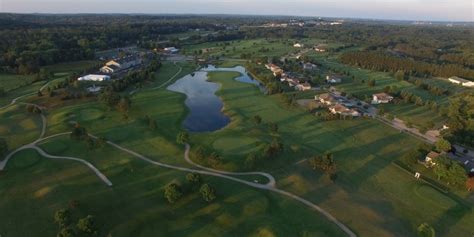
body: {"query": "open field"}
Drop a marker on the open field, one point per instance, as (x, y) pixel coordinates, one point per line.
(19, 126)
(369, 188)
(135, 204)
(12, 81)
(371, 195)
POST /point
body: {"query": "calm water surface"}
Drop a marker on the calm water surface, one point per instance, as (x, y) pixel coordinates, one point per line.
(205, 108)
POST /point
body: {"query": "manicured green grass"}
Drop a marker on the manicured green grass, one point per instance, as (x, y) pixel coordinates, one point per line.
(371, 195)
(234, 49)
(135, 205)
(18, 126)
(12, 81)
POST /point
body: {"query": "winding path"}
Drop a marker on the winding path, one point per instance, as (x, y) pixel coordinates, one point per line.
(271, 179)
(270, 186)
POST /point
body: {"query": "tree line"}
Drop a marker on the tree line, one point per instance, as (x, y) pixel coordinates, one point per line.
(379, 61)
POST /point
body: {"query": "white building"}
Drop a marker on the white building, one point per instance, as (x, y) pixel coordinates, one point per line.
(333, 79)
(171, 50)
(303, 87)
(298, 45)
(94, 77)
(461, 81)
(381, 98)
(116, 65)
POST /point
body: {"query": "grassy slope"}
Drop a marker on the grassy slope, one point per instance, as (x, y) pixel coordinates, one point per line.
(135, 205)
(371, 195)
(12, 81)
(18, 126)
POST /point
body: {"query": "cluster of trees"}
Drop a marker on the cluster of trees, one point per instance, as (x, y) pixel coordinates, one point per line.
(461, 119)
(380, 61)
(450, 171)
(86, 226)
(113, 100)
(175, 191)
(446, 169)
(79, 133)
(151, 123)
(435, 90)
(212, 159)
(32, 41)
(136, 77)
(33, 109)
(324, 163)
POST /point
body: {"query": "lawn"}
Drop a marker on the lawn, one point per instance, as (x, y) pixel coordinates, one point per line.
(18, 126)
(371, 195)
(234, 49)
(135, 205)
(10, 81)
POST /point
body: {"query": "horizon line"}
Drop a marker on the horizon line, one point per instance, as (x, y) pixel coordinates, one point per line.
(239, 14)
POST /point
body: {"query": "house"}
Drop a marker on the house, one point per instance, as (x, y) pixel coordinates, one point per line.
(326, 98)
(298, 45)
(292, 82)
(429, 159)
(381, 98)
(171, 50)
(303, 86)
(333, 79)
(461, 81)
(320, 49)
(94, 77)
(109, 69)
(277, 72)
(343, 110)
(121, 64)
(309, 66)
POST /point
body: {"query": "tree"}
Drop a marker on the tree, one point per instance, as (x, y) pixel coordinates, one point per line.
(450, 171)
(182, 138)
(87, 225)
(273, 127)
(78, 132)
(199, 153)
(441, 167)
(3, 147)
(62, 217)
(152, 125)
(371, 83)
(470, 184)
(257, 119)
(173, 192)
(443, 145)
(193, 178)
(207, 192)
(325, 163)
(109, 98)
(251, 160)
(66, 232)
(123, 106)
(425, 230)
(214, 159)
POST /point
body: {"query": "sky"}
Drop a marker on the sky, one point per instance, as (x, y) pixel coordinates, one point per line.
(431, 10)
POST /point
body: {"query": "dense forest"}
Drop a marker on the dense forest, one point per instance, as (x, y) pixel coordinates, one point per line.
(380, 61)
(28, 42)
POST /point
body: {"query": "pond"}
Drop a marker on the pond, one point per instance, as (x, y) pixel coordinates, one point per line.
(205, 108)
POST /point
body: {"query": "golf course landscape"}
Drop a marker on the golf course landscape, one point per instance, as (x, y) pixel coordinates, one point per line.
(221, 138)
